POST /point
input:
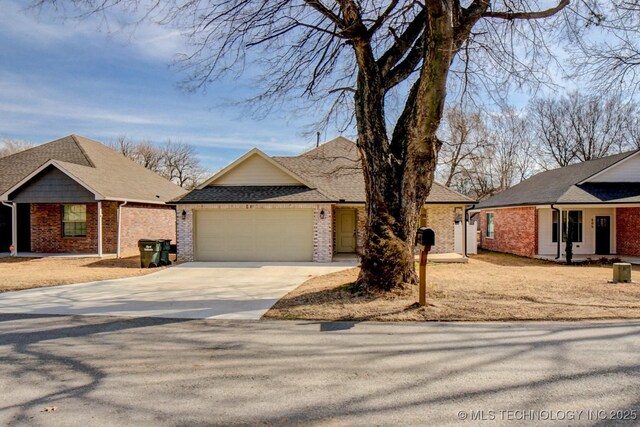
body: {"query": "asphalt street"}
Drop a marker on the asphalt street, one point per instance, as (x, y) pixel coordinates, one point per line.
(102, 371)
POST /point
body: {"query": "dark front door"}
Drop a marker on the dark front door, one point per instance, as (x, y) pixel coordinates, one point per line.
(5, 228)
(603, 235)
(24, 227)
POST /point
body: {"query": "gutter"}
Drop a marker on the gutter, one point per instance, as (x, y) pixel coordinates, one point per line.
(466, 221)
(559, 230)
(119, 227)
(14, 227)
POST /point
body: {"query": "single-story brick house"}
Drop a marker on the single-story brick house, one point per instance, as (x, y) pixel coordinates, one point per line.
(300, 208)
(600, 198)
(75, 195)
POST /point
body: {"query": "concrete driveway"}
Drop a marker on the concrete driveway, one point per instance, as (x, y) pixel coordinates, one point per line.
(187, 291)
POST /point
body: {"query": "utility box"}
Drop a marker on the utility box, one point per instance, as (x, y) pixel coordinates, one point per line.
(425, 237)
(621, 272)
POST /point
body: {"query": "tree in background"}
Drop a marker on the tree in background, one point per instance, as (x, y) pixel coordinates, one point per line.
(484, 154)
(178, 162)
(9, 146)
(464, 136)
(580, 127)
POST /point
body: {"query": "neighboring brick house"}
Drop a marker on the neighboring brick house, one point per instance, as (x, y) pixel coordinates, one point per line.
(597, 201)
(300, 208)
(75, 195)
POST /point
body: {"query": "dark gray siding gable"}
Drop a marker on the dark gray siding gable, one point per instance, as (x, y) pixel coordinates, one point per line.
(52, 186)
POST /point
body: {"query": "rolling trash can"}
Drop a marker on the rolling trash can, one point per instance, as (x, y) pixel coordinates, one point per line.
(166, 250)
(150, 252)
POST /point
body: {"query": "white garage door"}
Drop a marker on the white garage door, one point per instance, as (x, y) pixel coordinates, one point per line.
(254, 235)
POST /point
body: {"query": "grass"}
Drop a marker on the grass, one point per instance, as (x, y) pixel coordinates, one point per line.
(491, 286)
(25, 273)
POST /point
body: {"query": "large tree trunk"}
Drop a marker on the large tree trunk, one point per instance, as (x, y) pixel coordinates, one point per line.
(399, 173)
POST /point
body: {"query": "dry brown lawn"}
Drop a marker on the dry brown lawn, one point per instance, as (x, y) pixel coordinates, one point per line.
(490, 287)
(25, 273)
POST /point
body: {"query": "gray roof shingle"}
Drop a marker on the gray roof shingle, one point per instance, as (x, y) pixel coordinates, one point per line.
(561, 186)
(102, 169)
(333, 168)
(336, 170)
(254, 194)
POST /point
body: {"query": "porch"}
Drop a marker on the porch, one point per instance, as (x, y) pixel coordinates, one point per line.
(597, 231)
(586, 257)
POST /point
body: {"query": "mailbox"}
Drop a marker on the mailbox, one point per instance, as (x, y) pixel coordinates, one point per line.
(425, 237)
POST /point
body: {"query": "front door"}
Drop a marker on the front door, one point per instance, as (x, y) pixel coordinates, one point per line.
(345, 230)
(603, 235)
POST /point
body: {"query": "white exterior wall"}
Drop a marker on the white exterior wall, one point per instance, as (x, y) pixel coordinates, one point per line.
(626, 171)
(588, 245)
(256, 169)
(322, 228)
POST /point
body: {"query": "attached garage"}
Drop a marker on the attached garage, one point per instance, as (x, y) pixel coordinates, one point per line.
(253, 234)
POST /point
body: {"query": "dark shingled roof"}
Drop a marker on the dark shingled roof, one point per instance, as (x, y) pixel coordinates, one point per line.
(334, 170)
(255, 194)
(561, 186)
(334, 167)
(97, 166)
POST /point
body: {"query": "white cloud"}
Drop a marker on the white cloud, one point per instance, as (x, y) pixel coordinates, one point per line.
(18, 97)
(47, 28)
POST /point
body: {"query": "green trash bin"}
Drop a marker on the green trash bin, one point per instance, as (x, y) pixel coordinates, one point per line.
(164, 256)
(150, 252)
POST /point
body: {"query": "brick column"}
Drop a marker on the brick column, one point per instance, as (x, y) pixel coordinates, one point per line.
(184, 230)
(322, 234)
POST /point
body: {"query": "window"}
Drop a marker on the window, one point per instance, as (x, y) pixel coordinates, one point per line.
(490, 232)
(74, 220)
(572, 222)
(554, 232)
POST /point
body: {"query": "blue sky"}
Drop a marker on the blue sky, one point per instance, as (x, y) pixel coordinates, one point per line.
(58, 78)
(61, 77)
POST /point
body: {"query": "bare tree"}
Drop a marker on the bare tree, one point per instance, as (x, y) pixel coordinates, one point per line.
(361, 57)
(464, 136)
(504, 160)
(178, 162)
(610, 58)
(10, 146)
(577, 127)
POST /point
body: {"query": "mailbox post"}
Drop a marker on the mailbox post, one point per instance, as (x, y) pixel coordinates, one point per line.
(425, 238)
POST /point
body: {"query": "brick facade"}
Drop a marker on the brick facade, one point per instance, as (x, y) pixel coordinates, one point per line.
(153, 221)
(515, 231)
(322, 228)
(628, 231)
(144, 221)
(441, 219)
(46, 229)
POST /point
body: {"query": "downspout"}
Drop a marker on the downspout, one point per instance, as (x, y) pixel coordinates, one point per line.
(119, 228)
(466, 221)
(14, 227)
(100, 229)
(559, 231)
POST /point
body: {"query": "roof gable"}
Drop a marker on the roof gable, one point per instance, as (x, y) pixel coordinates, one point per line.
(625, 170)
(554, 186)
(95, 166)
(255, 169)
(333, 170)
(51, 184)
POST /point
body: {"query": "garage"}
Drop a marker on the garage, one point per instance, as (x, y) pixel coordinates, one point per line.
(254, 235)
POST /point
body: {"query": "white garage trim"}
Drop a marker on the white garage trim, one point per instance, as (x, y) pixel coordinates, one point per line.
(254, 235)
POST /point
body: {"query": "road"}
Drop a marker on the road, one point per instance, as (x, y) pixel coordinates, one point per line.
(142, 371)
